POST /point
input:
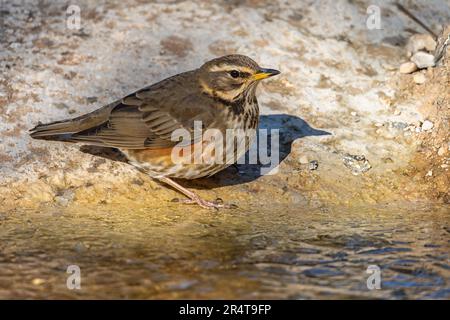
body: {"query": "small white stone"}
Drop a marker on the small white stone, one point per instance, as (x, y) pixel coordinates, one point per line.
(429, 173)
(427, 125)
(423, 60)
(441, 151)
(419, 78)
(378, 124)
(14, 45)
(353, 113)
(408, 67)
(420, 42)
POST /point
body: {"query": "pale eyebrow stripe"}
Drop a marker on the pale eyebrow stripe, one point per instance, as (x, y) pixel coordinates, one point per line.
(231, 67)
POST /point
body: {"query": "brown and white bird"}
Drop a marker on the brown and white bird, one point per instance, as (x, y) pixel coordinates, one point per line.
(220, 95)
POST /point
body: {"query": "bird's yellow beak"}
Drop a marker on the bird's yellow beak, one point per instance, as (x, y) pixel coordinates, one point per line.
(264, 73)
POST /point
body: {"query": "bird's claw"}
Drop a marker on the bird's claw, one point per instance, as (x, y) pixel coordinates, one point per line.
(218, 204)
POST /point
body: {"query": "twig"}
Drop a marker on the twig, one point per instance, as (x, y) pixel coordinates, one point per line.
(415, 19)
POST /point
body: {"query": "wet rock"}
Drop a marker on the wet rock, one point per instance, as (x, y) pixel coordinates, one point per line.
(419, 78)
(408, 67)
(423, 60)
(358, 164)
(420, 42)
(427, 125)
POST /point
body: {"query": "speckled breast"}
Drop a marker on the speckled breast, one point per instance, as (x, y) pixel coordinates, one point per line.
(206, 157)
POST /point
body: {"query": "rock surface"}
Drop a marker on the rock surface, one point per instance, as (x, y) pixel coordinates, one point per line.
(334, 86)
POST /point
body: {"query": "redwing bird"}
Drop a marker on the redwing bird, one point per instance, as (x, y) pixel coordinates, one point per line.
(220, 95)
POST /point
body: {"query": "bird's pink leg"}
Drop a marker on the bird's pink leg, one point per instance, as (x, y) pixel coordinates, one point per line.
(193, 197)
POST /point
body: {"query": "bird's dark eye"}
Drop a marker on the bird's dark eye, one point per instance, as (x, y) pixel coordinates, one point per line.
(234, 73)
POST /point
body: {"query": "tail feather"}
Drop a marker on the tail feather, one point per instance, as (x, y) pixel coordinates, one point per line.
(58, 130)
(65, 130)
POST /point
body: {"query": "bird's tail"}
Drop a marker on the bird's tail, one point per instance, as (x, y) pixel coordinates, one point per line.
(58, 131)
(65, 130)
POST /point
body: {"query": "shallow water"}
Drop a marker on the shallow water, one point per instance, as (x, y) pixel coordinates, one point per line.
(268, 252)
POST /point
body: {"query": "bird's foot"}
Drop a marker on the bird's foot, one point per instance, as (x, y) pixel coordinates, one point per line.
(217, 204)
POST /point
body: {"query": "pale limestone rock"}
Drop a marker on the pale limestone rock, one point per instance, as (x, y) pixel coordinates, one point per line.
(423, 60)
(427, 125)
(420, 42)
(442, 151)
(408, 67)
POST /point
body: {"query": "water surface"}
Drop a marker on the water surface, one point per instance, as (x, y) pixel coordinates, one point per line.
(273, 251)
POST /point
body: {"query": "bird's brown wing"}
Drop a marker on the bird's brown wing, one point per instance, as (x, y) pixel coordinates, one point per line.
(147, 118)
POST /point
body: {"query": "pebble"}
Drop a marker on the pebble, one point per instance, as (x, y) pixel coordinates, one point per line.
(423, 60)
(356, 163)
(441, 151)
(427, 125)
(313, 165)
(420, 42)
(419, 78)
(14, 45)
(408, 67)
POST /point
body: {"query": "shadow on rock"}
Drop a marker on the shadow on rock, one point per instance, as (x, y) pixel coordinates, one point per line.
(290, 129)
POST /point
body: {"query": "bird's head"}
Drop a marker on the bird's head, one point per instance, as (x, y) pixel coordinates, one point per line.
(229, 77)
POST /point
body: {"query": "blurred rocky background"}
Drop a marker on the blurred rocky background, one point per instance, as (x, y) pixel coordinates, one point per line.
(363, 112)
